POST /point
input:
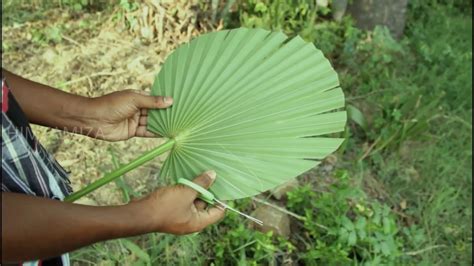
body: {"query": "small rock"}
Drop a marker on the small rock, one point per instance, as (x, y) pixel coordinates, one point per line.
(412, 173)
(338, 9)
(50, 56)
(136, 66)
(280, 191)
(147, 33)
(322, 3)
(403, 205)
(327, 168)
(331, 159)
(273, 220)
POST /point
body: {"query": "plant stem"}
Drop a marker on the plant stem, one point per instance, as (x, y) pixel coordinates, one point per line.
(121, 170)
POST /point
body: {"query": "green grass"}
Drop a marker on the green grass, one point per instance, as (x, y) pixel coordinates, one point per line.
(424, 83)
(401, 191)
(440, 40)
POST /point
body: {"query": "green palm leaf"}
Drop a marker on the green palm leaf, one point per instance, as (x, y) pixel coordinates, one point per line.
(251, 104)
(248, 103)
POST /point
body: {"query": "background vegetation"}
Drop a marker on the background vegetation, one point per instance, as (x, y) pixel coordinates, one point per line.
(399, 190)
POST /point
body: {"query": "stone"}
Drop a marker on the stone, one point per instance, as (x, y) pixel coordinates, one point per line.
(322, 3)
(273, 220)
(412, 174)
(369, 13)
(331, 159)
(338, 9)
(280, 191)
(50, 56)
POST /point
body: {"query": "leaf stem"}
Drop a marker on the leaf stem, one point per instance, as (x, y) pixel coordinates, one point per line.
(121, 170)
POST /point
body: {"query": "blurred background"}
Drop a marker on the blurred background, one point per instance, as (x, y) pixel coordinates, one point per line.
(397, 192)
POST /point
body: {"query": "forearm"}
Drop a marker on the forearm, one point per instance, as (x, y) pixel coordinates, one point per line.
(50, 107)
(34, 228)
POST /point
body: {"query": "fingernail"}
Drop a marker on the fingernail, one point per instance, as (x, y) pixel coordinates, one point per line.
(211, 174)
(168, 100)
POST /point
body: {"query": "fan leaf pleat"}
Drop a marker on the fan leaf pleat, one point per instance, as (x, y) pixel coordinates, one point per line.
(251, 104)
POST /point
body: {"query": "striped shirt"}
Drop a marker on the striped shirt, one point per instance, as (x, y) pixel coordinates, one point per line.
(26, 165)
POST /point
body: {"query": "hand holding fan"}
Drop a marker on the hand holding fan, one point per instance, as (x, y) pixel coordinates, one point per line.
(250, 104)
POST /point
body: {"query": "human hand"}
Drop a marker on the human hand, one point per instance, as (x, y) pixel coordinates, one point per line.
(177, 210)
(122, 115)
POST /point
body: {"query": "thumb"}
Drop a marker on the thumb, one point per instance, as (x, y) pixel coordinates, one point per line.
(208, 217)
(206, 179)
(152, 102)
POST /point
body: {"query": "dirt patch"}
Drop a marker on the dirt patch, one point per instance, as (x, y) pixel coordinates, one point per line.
(92, 61)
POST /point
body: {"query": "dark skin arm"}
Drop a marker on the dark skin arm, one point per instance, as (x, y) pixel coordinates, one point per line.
(116, 116)
(60, 227)
(35, 228)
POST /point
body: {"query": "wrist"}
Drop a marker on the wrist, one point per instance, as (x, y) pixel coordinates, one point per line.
(138, 219)
(73, 114)
(81, 116)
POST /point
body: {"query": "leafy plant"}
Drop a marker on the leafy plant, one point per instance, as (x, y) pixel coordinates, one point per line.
(243, 245)
(220, 11)
(291, 16)
(343, 226)
(46, 36)
(123, 14)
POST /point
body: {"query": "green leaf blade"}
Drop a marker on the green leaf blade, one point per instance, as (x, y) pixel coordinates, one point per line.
(251, 104)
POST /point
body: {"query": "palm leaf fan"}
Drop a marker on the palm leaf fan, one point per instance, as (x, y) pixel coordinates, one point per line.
(251, 104)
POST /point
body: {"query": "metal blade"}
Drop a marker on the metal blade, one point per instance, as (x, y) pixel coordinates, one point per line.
(255, 220)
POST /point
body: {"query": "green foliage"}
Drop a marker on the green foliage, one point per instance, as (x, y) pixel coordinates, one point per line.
(50, 35)
(249, 247)
(236, 243)
(344, 226)
(290, 16)
(120, 182)
(151, 249)
(442, 40)
(219, 10)
(13, 13)
(125, 7)
(75, 5)
(142, 256)
(420, 93)
(341, 226)
(128, 6)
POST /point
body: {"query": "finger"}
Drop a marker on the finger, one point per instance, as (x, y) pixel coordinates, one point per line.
(143, 111)
(210, 216)
(143, 132)
(200, 204)
(153, 102)
(143, 120)
(204, 180)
